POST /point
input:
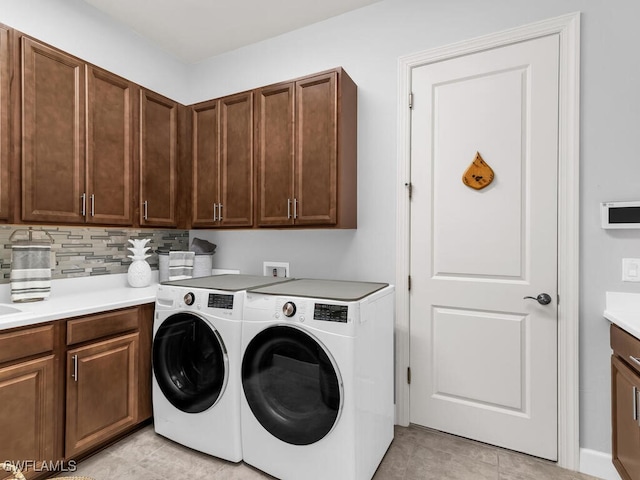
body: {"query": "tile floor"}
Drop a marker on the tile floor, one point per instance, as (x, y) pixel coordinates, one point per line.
(415, 454)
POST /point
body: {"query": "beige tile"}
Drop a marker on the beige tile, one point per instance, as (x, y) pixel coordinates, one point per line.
(394, 463)
(176, 461)
(431, 464)
(143, 443)
(105, 466)
(456, 445)
(517, 466)
(239, 471)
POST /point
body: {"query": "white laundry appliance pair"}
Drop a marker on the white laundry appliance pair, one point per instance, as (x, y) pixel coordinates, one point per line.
(196, 362)
(295, 377)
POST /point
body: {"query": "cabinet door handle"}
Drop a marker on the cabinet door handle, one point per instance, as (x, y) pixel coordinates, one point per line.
(83, 202)
(635, 360)
(220, 211)
(93, 205)
(288, 208)
(295, 208)
(215, 205)
(74, 374)
(146, 207)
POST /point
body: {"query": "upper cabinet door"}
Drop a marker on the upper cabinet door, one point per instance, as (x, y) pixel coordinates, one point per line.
(236, 161)
(5, 108)
(110, 147)
(316, 150)
(206, 171)
(275, 154)
(53, 162)
(158, 160)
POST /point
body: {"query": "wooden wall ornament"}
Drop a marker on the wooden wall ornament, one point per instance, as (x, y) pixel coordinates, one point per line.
(479, 174)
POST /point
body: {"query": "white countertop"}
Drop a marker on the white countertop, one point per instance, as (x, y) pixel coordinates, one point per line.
(77, 296)
(623, 309)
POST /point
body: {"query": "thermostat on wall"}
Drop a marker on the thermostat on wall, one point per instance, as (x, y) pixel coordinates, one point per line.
(620, 214)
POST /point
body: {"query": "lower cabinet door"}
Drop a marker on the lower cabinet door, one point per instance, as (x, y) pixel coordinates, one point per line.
(102, 392)
(625, 403)
(27, 409)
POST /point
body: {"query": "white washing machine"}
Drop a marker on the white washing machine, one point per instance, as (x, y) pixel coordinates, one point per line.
(196, 362)
(317, 378)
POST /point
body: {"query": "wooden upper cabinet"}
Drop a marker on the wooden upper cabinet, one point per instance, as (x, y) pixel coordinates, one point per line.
(111, 104)
(236, 160)
(205, 162)
(223, 162)
(315, 118)
(316, 150)
(75, 172)
(275, 154)
(5, 115)
(158, 160)
(53, 141)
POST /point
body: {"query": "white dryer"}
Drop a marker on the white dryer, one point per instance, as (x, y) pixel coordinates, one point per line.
(196, 362)
(317, 378)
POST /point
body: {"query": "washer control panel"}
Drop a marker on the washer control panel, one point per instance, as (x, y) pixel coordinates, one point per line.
(218, 300)
(330, 313)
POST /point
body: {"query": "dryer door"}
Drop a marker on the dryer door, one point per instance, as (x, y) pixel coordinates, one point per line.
(292, 385)
(190, 362)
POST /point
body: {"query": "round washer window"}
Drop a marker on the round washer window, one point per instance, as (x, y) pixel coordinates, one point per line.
(189, 362)
(291, 385)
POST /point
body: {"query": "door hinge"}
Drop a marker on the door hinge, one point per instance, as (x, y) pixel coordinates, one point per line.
(409, 186)
(411, 100)
(409, 375)
(409, 282)
(558, 302)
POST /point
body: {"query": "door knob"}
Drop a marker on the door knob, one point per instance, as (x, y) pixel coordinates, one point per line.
(542, 299)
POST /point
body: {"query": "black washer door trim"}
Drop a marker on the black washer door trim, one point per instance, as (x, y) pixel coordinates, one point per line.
(189, 362)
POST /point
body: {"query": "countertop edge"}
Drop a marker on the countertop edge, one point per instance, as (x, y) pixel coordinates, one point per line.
(621, 319)
(95, 298)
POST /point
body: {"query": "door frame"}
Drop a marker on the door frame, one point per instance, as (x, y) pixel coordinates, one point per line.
(568, 29)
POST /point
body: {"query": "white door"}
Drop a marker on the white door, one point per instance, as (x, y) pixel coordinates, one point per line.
(484, 358)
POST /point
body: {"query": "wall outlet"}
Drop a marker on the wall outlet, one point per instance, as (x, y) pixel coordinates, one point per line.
(276, 269)
(631, 269)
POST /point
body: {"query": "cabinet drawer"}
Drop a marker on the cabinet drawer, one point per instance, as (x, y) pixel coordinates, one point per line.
(101, 325)
(626, 346)
(23, 343)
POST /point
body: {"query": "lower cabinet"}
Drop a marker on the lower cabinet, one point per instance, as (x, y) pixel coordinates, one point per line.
(71, 386)
(625, 403)
(28, 398)
(27, 417)
(102, 390)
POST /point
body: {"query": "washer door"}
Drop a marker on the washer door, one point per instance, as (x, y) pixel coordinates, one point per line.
(292, 385)
(190, 362)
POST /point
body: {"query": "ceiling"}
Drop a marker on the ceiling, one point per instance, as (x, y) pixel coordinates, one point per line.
(192, 30)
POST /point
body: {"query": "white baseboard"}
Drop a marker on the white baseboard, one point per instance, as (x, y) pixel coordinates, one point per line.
(597, 464)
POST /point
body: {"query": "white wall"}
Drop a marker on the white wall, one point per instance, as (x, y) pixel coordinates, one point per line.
(367, 43)
(78, 28)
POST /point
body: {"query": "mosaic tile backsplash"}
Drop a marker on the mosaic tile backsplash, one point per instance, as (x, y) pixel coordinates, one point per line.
(84, 251)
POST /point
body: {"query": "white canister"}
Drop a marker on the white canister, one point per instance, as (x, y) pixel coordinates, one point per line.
(202, 265)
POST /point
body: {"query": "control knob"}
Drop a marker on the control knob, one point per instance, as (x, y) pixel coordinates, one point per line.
(289, 309)
(189, 298)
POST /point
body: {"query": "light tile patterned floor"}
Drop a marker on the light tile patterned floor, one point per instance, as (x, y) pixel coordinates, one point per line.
(415, 454)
